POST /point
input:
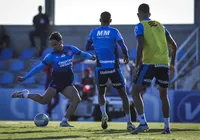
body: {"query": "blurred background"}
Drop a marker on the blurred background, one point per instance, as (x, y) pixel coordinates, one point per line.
(24, 30)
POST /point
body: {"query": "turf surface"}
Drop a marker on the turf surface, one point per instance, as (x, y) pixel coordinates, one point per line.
(92, 130)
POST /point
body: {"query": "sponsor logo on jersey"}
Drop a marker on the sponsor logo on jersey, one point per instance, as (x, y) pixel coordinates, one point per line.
(107, 61)
(161, 65)
(103, 34)
(107, 71)
(65, 63)
(117, 84)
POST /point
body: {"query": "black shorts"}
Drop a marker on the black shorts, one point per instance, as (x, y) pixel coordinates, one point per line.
(147, 72)
(114, 74)
(61, 80)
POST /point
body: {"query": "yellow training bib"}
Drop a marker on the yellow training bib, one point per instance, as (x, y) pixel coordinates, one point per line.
(155, 49)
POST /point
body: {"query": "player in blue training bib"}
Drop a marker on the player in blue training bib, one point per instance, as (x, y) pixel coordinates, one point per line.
(104, 40)
(62, 76)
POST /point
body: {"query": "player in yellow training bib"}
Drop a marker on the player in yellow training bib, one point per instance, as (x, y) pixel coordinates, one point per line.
(152, 61)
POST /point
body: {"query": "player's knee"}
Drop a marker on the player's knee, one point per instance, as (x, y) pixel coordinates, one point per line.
(136, 90)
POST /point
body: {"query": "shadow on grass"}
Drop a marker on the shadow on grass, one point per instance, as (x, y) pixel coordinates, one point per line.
(108, 131)
(172, 129)
(51, 137)
(28, 131)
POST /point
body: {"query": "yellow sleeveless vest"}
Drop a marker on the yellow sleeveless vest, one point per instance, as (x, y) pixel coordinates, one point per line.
(155, 49)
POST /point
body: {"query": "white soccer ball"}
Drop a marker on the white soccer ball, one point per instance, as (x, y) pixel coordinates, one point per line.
(41, 119)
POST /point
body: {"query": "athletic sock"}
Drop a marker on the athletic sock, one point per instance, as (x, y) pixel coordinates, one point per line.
(25, 95)
(128, 118)
(65, 119)
(142, 118)
(166, 123)
(103, 109)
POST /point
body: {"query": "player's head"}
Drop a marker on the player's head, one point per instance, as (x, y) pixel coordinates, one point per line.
(143, 11)
(87, 72)
(56, 41)
(40, 9)
(105, 18)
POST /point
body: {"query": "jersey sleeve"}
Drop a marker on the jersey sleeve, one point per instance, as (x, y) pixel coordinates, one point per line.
(139, 30)
(90, 36)
(167, 33)
(47, 59)
(118, 36)
(75, 50)
(35, 70)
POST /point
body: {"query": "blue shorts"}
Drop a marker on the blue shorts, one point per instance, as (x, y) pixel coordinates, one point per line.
(114, 74)
(60, 80)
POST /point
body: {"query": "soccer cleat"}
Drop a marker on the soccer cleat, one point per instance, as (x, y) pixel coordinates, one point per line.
(141, 128)
(166, 131)
(20, 94)
(104, 121)
(130, 127)
(65, 124)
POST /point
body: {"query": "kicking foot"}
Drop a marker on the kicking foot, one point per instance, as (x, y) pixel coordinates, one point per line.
(104, 121)
(20, 94)
(65, 124)
(130, 127)
(141, 128)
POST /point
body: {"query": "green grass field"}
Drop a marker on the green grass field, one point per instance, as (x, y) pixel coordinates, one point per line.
(92, 130)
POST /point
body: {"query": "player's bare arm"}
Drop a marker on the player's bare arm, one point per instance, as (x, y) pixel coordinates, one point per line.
(140, 45)
(31, 73)
(173, 47)
(124, 50)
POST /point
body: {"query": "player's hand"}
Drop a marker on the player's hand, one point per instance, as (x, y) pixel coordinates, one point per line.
(94, 57)
(126, 61)
(171, 70)
(20, 78)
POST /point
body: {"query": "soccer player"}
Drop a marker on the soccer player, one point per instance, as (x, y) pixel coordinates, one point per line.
(152, 61)
(62, 76)
(103, 41)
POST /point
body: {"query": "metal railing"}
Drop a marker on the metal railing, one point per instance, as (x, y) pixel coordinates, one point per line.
(190, 56)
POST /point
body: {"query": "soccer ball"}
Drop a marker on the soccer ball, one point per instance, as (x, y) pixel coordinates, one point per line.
(41, 119)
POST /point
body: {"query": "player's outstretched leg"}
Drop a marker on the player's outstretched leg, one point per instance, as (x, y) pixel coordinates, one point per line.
(165, 109)
(102, 104)
(126, 107)
(143, 126)
(42, 99)
(72, 94)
